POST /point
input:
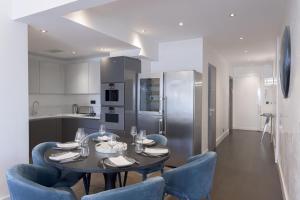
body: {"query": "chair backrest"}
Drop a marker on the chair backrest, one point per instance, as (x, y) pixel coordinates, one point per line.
(192, 181)
(151, 189)
(38, 153)
(160, 139)
(34, 183)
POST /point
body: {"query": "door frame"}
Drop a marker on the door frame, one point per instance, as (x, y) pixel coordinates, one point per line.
(212, 111)
(230, 104)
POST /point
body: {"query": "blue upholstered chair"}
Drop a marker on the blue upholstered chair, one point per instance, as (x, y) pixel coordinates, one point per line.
(159, 139)
(35, 183)
(192, 181)
(152, 189)
(67, 178)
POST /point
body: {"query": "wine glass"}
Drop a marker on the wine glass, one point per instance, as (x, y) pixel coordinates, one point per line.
(102, 129)
(112, 141)
(142, 135)
(133, 133)
(80, 134)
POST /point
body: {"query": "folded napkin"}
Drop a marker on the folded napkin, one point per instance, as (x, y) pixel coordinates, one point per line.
(63, 156)
(120, 161)
(103, 138)
(157, 151)
(68, 145)
(145, 141)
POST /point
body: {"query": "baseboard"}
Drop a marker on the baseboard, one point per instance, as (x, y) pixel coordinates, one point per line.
(5, 198)
(282, 183)
(205, 151)
(222, 137)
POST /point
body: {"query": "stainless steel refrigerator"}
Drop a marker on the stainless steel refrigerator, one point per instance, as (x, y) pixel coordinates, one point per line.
(170, 103)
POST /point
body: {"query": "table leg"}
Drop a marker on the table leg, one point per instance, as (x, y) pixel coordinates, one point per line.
(110, 180)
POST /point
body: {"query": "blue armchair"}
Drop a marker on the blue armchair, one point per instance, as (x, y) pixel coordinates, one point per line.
(159, 139)
(192, 181)
(35, 183)
(152, 189)
(67, 178)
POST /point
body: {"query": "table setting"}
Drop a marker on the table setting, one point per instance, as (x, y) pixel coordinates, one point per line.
(107, 153)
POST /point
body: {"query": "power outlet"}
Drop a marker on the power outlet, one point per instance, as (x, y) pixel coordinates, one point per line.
(93, 102)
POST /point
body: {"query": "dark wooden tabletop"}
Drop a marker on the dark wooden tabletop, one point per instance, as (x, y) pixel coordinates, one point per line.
(93, 164)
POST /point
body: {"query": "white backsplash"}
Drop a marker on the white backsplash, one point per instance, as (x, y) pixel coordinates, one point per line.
(58, 104)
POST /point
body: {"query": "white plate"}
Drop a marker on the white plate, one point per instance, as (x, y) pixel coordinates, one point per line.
(63, 156)
(68, 145)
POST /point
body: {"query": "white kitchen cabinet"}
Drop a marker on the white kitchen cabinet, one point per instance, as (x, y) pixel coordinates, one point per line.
(51, 78)
(33, 76)
(77, 78)
(94, 77)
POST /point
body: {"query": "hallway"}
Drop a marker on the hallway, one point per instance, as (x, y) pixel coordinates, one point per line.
(246, 169)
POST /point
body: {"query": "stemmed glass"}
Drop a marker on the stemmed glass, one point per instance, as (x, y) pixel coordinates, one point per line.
(112, 141)
(80, 134)
(133, 133)
(102, 129)
(142, 135)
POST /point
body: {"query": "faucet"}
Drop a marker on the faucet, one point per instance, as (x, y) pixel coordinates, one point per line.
(35, 109)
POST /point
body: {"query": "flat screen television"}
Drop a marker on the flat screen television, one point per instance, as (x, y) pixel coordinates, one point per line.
(285, 62)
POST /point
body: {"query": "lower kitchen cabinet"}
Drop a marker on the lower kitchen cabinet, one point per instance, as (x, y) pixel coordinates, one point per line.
(58, 129)
(43, 130)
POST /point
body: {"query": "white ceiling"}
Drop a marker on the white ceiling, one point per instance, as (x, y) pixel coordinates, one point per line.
(258, 21)
(68, 37)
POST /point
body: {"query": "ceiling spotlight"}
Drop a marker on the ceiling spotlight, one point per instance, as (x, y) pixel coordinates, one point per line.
(232, 15)
(241, 38)
(143, 30)
(180, 23)
(74, 52)
(43, 31)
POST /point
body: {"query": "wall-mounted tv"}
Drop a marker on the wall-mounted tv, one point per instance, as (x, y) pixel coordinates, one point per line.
(285, 62)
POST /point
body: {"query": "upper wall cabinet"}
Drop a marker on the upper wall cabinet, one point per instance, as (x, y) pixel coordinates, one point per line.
(77, 78)
(51, 78)
(94, 77)
(33, 76)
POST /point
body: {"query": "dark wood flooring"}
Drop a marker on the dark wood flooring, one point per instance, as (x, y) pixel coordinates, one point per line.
(245, 170)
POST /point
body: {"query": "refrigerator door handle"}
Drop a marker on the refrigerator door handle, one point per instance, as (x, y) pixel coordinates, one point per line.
(165, 115)
(160, 126)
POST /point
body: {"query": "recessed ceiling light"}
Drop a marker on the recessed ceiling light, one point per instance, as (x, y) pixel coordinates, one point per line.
(180, 23)
(241, 38)
(232, 14)
(143, 30)
(43, 31)
(74, 52)
(246, 51)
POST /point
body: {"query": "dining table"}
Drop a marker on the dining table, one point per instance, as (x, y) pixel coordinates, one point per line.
(93, 163)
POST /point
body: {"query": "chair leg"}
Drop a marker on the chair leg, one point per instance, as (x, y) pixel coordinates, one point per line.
(162, 171)
(208, 197)
(264, 132)
(144, 176)
(87, 182)
(125, 178)
(120, 179)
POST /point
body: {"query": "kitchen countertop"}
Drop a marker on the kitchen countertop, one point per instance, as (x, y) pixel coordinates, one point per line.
(46, 116)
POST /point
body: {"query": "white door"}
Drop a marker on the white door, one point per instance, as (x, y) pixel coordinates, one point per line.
(246, 102)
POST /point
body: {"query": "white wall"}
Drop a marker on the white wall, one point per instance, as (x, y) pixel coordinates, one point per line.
(179, 55)
(222, 98)
(14, 91)
(289, 112)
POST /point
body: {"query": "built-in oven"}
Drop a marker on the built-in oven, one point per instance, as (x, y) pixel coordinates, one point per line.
(112, 94)
(113, 117)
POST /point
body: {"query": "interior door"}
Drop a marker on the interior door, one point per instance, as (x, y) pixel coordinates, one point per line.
(246, 102)
(211, 107)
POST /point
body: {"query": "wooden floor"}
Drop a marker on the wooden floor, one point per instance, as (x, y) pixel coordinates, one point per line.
(245, 170)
